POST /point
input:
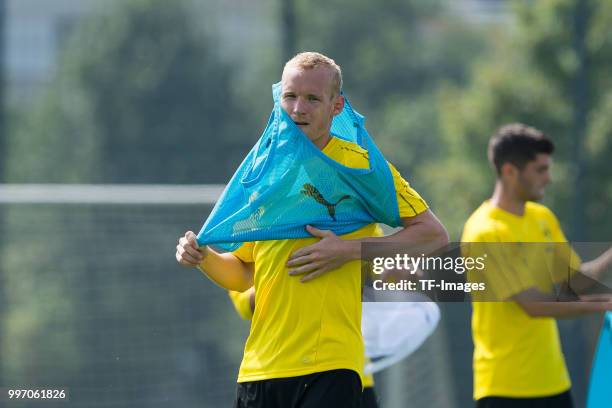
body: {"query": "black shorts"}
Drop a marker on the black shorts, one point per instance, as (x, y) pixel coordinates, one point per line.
(333, 389)
(563, 400)
(368, 398)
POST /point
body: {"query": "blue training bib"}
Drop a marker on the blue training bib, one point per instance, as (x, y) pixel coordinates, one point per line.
(600, 388)
(286, 183)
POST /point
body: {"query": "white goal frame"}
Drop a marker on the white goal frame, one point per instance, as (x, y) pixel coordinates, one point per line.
(187, 194)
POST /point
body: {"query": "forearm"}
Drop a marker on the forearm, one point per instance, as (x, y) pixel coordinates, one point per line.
(423, 236)
(422, 232)
(591, 273)
(565, 310)
(227, 271)
(418, 233)
(595, 268)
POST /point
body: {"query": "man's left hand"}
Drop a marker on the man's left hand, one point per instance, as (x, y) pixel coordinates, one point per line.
(314, 260)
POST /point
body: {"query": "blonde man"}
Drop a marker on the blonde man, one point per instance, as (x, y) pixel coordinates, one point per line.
(305, 347)
(244, 303)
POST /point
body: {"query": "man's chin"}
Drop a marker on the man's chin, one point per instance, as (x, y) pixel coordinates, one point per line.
(309, 136)
(303, 128)
(539, 196)
(532, 196)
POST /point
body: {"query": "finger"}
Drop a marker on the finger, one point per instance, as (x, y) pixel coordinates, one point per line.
(192, 239)
(184, 242)
(185, 259)
(194, 253)
(318, 233)
(304, 269)
(313, 275)
(187, 247)
(190, 253)
(189, 262)
(302, 252)
(302, 260)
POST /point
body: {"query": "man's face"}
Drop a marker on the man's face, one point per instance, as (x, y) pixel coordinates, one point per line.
(533, 178)
(307, 98)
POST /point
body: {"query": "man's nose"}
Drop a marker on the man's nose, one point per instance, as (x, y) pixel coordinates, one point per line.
(299, 107)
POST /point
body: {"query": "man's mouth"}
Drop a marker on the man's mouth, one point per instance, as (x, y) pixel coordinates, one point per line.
(301, 123)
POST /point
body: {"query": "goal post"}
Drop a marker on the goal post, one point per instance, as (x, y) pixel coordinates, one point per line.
(185, 194)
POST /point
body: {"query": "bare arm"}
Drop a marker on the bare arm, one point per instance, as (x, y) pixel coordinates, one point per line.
(332, 252)
(595, 268)
(226, 270)
(538, 304)
(424, 228)
(588, 278)
(570, 299)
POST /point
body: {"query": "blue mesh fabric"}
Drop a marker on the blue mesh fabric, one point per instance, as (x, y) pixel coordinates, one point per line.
(600, 389)
(286, 182)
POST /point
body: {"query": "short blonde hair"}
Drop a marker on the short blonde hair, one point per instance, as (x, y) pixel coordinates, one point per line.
(311, 60)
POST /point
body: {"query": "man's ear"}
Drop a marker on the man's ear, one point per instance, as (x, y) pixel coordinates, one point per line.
(508, 171)
(338, 104)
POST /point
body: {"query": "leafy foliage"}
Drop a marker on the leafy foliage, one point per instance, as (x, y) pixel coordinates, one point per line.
(139, 97)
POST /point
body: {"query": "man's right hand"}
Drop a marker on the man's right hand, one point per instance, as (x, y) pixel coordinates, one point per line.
(188, 253)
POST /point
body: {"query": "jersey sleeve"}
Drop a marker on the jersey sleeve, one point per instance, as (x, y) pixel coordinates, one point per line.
(242, 303)
(409, 201)
(567, 261)
(245, 252)
(504, 272)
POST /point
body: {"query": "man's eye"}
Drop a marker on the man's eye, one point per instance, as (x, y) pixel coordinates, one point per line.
(288, 96)
(313, 98)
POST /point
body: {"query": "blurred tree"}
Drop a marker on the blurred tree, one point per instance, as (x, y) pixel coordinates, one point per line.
(3, 132)
(288, 28)
(530, 77)
(139, 96)
(394, 54)
(551, 70)
(40, 319)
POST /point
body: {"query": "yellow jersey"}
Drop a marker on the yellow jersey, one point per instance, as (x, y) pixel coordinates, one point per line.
(303, 328)
(242, 304)
(516, 355)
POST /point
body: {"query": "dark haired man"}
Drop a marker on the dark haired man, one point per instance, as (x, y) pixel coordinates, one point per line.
(518, 360)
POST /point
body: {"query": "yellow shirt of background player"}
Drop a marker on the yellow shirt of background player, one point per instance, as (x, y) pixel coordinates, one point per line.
(303, 328)
(516, 355)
